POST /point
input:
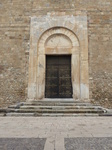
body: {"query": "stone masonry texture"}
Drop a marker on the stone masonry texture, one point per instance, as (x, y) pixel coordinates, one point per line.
(15, 44)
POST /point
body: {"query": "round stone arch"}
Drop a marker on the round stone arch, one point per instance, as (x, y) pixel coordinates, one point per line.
(45, 47)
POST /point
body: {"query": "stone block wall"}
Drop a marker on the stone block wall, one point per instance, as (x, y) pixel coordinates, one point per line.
(14, 45)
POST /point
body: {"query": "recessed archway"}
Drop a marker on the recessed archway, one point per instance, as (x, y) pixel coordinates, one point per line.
(60, 39)
(52, 42)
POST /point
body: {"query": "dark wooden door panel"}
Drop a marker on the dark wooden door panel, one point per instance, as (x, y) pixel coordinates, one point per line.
(52, 73)
(64, 81)
(63, 73)
(51, 82)
(58, 77)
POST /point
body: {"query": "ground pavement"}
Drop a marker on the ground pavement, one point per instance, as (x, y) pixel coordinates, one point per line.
(56, 133)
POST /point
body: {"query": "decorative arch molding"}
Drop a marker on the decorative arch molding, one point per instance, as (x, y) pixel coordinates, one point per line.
(41, 45)
(57, 31)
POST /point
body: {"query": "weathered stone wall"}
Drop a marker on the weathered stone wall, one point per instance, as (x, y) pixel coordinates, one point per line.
(14, 44)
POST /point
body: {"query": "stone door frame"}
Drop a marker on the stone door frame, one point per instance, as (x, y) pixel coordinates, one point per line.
(75, 29)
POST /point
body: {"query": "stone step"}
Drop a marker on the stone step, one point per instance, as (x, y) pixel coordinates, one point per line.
(3, 110)
(16, 105)
(2, 114)
(59, 107)
(56, 104)
(107, 113)
(53, 108)
(56, 101)
(56, 110)
(66, 115)
(63, 100)
(50, 114)
(20, 114)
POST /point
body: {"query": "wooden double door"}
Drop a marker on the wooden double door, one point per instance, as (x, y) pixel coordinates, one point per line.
(58, 77)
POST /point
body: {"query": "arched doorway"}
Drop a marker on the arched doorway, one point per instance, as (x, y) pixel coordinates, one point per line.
(59, 40)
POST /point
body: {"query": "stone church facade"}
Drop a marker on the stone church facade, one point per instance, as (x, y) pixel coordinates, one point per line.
(56, 49)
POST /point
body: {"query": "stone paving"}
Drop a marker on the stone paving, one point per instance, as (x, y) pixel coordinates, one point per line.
(22, 143)
(88, 143)
(56, 133)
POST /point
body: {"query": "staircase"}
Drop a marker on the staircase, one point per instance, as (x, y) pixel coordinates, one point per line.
(53, 108)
